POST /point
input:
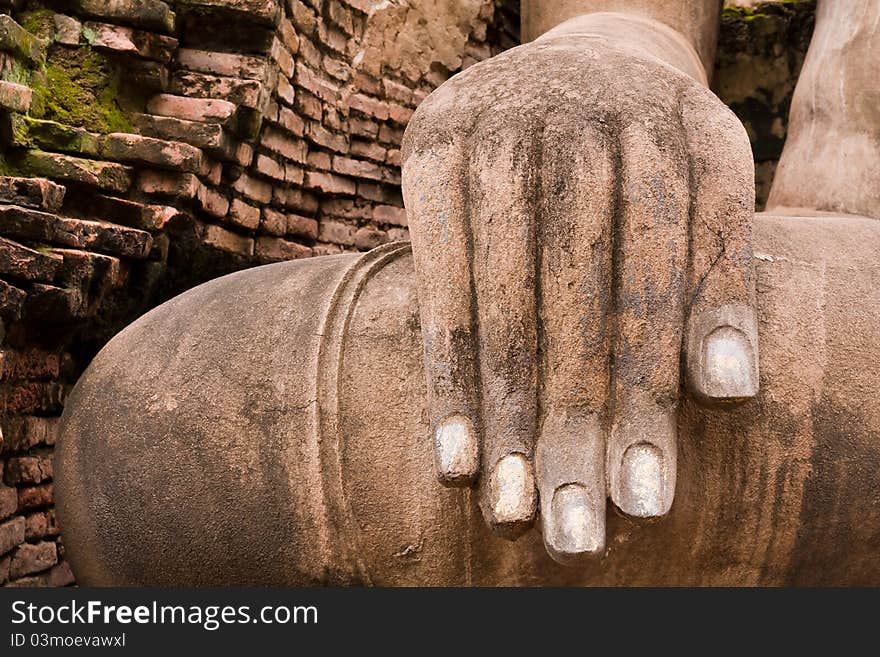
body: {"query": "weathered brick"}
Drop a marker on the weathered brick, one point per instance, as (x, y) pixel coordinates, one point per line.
(380, 193)
(335, 120)
(332, 184)
(274, 222)
(168, 183)
(8, 501)
(303, 17)
(291, 121)
(315, 84)
(128, 41)
(24, 432)
(137, 149)
(270, 249)
(56, 305)
(40, 525)
(302, 226)
(309, 106)
(61, 575)
(341, 16)
(327, 249)
(294, 174)
(254, 189)
(68, 30)
(211, 170)
(319, 160)
(264, 12)
(399, 113)
(285, 90)
(31, 364)
(357, 168)
(247, 67)
(36, 193)
(282, 57)
(15, 97)
(17, 40)
(149, 14)
(25, 263)
(389, 135)
(366, 83)
(337, 68)
(213, 201)
(244, 215)
(368, 149)
(367, 237)
(191, 109)
(121, 211)
(269, 167)
(288, 35)
(295, 199)
(35, 497)
(103, 175)
(244, 154)
(347, 208)
(389, 214)
(77, 233)
(397, 92)
(336, 232)
(209, 136)
(363, 127)
(225, 240)
(90, 271)
(248, 93)
(282, 143)
(27, 470)
(319, 135)
(104, 237)
(31, 558)
(372, 107)
(11, 301)
(336, 39)
(11, 534)
(398, 235)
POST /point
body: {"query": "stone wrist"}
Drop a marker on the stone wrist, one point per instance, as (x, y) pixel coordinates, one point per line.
(634, 33)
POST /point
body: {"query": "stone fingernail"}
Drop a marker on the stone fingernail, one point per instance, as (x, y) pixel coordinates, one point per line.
(512, 497)
(573, 529)
(728, 364)
(457, 451)
(643, 482)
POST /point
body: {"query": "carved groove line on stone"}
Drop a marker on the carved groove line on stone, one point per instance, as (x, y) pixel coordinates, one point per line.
(326, 420)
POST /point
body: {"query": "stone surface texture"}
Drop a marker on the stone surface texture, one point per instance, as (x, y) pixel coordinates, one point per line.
(779, 491)
(146, 149)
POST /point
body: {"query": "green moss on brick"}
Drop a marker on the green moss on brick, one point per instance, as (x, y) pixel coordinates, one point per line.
(40, 23)
(80, 88)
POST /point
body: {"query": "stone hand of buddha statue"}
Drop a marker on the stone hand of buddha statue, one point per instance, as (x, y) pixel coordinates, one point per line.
(581, 217)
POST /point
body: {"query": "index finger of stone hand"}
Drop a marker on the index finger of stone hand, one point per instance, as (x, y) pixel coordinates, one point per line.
(434, 180)
(721, 341)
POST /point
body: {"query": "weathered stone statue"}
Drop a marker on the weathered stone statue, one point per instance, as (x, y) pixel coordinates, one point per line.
(581, 212)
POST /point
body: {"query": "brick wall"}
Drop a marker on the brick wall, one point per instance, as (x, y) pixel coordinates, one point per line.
(148, 146)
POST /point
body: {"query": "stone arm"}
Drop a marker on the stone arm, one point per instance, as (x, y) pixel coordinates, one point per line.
(580, 210)
(831, 160)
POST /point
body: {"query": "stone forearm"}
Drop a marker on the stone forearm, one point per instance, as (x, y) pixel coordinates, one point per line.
(831, 160)
(696, 21)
